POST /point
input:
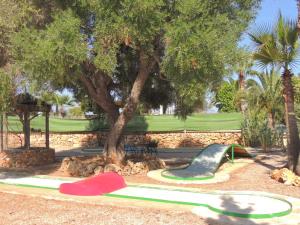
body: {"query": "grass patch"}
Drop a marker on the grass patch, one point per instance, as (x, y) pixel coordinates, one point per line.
(197, 122)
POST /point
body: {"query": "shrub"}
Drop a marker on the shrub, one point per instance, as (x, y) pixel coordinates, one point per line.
(76, 112)
(256, 132)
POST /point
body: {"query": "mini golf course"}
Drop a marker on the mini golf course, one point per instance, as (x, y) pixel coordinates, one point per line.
(206, 163)
(237, 204)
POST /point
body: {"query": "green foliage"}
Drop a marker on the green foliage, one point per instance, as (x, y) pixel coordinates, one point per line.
(6, 91)
(265, 109)
(48, 54)
(76, 112)
(278, 45)
(225, 97)
(265, 93)
(256, 131)
(191, 41)
(188, 97)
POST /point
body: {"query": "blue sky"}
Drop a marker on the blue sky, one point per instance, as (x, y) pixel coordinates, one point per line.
(269, 11)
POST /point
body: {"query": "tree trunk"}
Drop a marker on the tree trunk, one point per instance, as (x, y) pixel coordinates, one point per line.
(271, 121)
(98, 86)
(298, 20)
(114, 145)
(243, 103)
(297, 163)
(291, 123)
(56, 110)
(26, 130)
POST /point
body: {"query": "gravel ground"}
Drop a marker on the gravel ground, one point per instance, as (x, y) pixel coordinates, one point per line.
(20, 209)
(26, 210)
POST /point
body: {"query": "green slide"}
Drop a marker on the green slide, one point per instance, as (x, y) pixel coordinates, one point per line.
(206, 163)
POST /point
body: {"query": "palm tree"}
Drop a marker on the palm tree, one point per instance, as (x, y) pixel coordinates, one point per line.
(243, 67)
(59, 101)
(265, 93)
(279, 47)
(298, 19)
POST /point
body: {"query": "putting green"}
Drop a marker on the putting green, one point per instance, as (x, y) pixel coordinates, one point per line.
(237, 204)
(205, 164)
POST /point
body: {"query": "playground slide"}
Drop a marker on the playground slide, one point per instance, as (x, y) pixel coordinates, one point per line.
(206, 163)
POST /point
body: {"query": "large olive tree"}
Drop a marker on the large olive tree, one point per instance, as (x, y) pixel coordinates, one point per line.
(87, 44)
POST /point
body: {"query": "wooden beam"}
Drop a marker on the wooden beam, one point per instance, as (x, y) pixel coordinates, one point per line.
(47, 130)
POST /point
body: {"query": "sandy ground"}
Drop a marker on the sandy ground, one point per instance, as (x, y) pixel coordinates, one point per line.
(23, 209)
(26, 210)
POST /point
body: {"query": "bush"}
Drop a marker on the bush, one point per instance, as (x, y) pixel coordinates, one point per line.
(255, 131)
(225, 98)
(98, 124)
(76, 112)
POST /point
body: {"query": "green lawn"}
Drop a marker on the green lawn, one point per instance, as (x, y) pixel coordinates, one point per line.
(200, 122)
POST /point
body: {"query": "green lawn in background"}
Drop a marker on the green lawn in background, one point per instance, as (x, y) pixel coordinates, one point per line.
(197, 122)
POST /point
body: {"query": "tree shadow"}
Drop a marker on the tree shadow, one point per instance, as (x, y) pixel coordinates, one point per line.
(230, 205)
(28, 172)
(267, 160)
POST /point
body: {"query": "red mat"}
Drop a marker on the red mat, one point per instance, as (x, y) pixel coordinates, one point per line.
(97, 185)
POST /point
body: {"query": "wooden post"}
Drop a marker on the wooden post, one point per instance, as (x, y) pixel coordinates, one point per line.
(5, 130)
(1, 133)
(26, 129)
(47, 130)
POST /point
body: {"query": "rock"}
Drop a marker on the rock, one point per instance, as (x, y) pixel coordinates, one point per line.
(112, 168)
(276, 174)
(91, 167)
(72, 166)
(285, 176)
(156, 164)
(296, 181)
(139, 168)
(126, 170)
(98, 170)
(130, 163)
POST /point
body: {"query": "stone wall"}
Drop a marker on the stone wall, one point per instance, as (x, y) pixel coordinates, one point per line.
(165, 139)
(21, 158)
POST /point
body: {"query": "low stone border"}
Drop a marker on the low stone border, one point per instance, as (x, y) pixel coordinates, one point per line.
(22, 158)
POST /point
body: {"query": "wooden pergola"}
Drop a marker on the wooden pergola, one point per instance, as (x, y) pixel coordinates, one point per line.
(27, 108)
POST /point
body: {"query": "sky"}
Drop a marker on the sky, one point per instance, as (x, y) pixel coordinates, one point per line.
(268, 14)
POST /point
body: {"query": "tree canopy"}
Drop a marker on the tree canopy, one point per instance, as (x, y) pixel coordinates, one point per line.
(98, 45)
